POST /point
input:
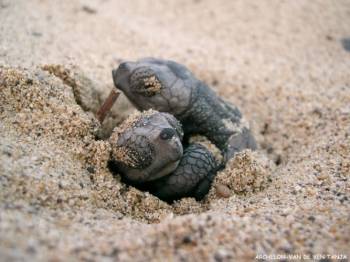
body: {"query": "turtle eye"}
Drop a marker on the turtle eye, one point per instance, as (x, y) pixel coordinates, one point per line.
(167, 133)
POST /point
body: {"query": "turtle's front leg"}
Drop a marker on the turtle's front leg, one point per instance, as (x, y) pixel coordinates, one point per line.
(238, 142)
(192, 178)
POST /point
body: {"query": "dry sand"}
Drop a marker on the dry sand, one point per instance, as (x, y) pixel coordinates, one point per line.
(285, 64)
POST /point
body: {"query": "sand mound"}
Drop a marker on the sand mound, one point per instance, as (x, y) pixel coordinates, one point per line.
(245, 173)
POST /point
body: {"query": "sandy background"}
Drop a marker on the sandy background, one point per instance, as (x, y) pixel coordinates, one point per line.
(285, 64)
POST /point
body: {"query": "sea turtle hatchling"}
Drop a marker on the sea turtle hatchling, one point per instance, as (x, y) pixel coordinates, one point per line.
(147, 151)
(167, 86)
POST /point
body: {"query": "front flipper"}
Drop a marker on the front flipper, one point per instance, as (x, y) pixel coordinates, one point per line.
(238, 142)
(192, 178)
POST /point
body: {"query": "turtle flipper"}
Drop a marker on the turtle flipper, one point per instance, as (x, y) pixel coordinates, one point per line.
(238, 142)
(192, 178)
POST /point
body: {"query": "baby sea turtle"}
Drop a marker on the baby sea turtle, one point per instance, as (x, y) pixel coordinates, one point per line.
(167, 86)
(147, 151)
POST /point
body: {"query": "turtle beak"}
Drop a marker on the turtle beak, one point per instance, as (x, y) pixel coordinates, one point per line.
(114, 73)
(121, 75)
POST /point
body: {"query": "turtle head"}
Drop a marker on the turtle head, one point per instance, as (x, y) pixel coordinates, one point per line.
(148, 146)
(155, 83)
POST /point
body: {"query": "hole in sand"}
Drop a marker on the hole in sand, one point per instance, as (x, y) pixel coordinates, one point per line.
(247, 173)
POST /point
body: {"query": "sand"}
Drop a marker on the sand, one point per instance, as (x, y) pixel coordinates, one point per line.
(284, 64)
